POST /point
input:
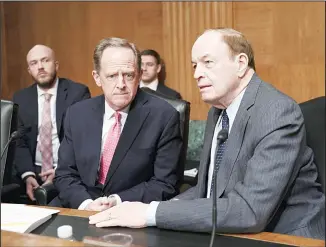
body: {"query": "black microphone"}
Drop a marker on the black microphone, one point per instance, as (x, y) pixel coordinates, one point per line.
(221, 137)
(14, 136)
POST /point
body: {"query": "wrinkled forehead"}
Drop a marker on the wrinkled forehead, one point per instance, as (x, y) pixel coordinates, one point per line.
(118, 56)
(209, 44)
(39, 52)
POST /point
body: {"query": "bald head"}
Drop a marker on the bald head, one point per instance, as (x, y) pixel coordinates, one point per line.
(42, 65)
(40, 49)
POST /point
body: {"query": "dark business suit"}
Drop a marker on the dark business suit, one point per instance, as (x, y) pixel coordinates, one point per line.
(68, 93)
(162, 89)
(267, 179)
(145, 163)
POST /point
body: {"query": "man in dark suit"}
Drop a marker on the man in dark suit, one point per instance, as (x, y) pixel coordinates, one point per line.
(151, 67)
(265, 178)
(120, 146)
(41, 109)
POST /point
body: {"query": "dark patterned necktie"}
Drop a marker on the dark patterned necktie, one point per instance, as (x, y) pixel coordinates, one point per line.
(220, 150)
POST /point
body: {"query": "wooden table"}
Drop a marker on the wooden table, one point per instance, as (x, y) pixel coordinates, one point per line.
(18, 239)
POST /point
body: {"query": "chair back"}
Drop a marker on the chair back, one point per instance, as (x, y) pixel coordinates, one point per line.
(9, 118)
(314, 117)
(183, 107)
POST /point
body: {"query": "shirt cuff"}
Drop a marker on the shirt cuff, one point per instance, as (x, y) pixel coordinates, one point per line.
(84, 204)
(151, 213)
(174, 199)
(25, 174)
(117, 198)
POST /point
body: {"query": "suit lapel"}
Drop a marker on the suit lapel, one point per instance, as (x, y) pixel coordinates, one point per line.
(32, 101)
(95, 137)
(61, 102)
(205, 161)
(236, 135)
(136, 117)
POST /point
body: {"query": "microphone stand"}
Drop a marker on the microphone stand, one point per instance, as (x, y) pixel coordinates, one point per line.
(222, 136)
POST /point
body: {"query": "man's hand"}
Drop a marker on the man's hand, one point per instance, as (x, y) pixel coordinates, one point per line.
(31, 184)
(101, 203)
(126, 214)
(47, 177)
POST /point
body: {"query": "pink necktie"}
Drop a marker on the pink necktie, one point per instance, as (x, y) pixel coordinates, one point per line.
(109, 147)
(45, 141)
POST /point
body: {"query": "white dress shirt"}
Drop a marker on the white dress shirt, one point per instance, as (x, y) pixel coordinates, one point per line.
(55, 137)
(231, 112)
(152, 85)
(108, 122)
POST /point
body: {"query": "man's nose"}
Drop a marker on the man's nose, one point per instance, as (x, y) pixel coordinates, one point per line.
(198, 72)
(40, 65)
(121, 82)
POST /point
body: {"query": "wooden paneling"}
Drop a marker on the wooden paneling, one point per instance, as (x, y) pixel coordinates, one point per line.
(288, 39)
(289, 44)
(182, 23)
(73, 29)
(4, 86)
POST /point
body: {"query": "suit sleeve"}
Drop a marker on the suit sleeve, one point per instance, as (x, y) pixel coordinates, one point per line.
(255, 199)
(163, 184)
(23, 156)
(67, 180)
(189, 194)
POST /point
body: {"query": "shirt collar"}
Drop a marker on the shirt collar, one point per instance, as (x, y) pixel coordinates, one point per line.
(52, 90)
(109, 112)
(152, 85)
(234, 106)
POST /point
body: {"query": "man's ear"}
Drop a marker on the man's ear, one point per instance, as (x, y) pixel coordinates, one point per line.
(56, 65)
(159, 67)
(96, 77)
(243, 60)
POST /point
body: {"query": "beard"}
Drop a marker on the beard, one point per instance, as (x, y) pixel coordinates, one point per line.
(46, 83)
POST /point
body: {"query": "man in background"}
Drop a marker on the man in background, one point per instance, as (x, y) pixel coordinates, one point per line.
(123, 145)
(151, 65)
(42, 108)
(265, 175)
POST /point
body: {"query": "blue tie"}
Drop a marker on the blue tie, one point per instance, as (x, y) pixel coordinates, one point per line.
(220, 150)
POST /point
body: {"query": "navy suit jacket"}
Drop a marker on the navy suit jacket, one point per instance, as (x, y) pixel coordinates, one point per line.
(68, 93)
(145, 163)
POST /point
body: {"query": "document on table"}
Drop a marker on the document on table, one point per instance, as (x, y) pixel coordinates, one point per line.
(22, 218)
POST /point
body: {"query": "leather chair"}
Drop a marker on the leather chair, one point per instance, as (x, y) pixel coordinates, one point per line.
(183, 107)
(314, 117)
(45, 193)
(9, 119)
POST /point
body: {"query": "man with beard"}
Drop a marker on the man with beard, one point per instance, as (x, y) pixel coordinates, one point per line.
(42, 108)
(151, 65)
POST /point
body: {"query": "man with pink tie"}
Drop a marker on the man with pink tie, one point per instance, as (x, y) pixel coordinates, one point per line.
(121, 146)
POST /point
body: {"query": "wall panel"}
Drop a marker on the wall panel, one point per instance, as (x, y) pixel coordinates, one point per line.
(288, 39)
(289, 43)
(182, 23)
(73, 29)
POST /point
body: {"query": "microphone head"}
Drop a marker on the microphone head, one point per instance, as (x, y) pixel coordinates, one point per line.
(222, 135)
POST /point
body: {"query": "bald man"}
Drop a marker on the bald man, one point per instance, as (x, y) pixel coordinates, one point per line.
(42, 108)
